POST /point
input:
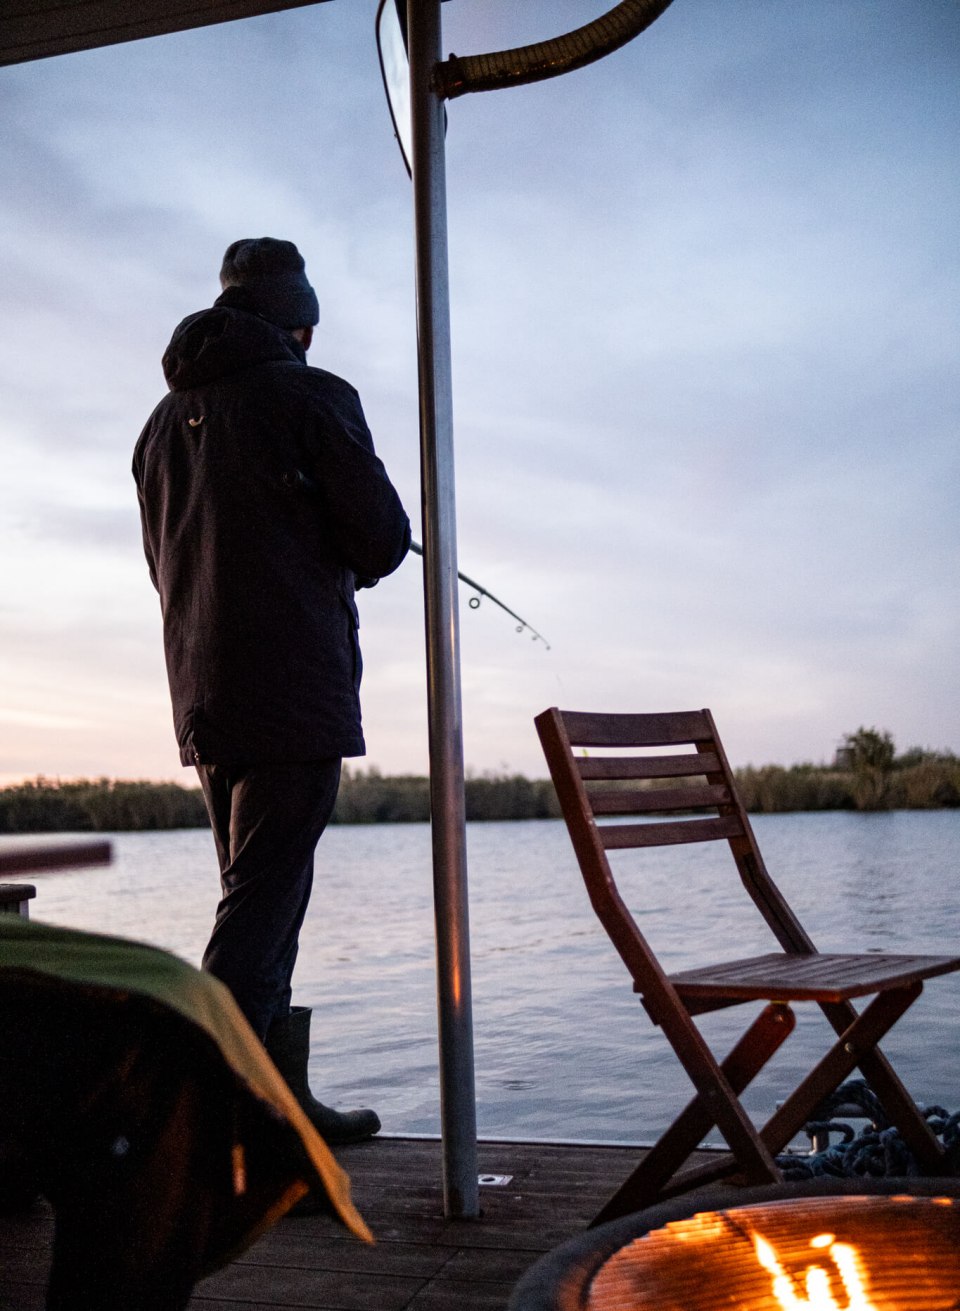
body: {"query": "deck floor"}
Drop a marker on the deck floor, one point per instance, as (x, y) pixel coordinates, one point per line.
(420, 1261)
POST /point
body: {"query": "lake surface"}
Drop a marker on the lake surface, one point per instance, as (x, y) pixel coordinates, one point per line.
(563, 1047)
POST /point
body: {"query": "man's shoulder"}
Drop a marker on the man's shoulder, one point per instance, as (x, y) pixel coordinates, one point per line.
(324, 382)
(298, 389)
(323, 392)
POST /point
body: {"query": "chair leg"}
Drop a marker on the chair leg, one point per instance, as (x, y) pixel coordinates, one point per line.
(855, 1044)
(645, 1185)
(900, 1107)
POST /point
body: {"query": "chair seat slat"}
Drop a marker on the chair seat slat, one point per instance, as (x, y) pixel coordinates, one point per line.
(654, 800)
(821, 976)
(617, 836)
(689, 765)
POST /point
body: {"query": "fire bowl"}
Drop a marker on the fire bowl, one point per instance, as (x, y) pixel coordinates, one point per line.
(820, 1245)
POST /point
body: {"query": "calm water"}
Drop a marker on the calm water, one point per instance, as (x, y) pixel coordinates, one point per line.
(563, 1048)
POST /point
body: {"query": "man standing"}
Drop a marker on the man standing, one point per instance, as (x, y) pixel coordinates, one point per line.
(263, 506)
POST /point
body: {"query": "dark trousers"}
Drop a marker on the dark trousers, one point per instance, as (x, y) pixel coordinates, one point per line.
(266, 820)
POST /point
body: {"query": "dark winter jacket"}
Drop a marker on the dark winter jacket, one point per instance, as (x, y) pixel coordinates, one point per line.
(263, 505)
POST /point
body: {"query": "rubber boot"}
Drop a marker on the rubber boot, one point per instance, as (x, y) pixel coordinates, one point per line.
(19, 1185)
(288, 1045)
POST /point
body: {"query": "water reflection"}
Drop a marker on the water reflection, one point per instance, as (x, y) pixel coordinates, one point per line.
(563, 1047)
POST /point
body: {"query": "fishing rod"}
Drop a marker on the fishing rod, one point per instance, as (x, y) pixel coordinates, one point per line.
(297, 478)
(474, 602)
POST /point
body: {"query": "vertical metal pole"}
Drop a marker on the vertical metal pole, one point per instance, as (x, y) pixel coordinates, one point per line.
(454, 1000)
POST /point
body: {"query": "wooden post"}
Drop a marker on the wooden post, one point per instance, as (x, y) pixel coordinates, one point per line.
(15, 898)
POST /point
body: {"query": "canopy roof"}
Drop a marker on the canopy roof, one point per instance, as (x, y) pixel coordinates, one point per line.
(36, 29)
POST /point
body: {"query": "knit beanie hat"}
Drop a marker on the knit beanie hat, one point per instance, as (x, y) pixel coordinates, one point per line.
(273, 274)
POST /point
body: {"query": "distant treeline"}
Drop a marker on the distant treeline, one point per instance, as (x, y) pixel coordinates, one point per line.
(930, 784)
(867, 774)
(366, 797)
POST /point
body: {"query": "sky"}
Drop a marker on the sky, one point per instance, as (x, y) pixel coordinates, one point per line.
(705, 329)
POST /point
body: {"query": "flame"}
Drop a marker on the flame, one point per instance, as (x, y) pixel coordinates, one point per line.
(817, 1279)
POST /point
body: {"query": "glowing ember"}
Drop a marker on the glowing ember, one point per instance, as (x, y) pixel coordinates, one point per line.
(841, 1253)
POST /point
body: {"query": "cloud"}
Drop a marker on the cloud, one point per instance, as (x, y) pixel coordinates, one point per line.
(704, 341)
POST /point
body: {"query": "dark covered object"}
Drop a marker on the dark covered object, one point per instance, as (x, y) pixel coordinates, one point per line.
(163, 1149)
(263, 507)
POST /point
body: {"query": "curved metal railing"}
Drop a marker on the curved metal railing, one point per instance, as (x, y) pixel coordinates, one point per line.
(459, 75)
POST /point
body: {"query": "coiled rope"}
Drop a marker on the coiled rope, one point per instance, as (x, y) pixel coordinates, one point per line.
(878, 1151)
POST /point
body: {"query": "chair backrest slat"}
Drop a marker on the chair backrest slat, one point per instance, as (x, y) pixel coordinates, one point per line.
(615, 837)
(688, 765)
(652, 801)
(588, 730)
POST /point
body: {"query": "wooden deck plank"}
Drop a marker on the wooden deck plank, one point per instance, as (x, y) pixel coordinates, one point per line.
(453, 1296)
(480, 1265)
(333, 1290)
(396, 1259)
(17, 1296)
(420, 1262)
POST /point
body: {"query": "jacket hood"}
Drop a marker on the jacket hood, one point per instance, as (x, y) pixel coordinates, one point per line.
(216, 342)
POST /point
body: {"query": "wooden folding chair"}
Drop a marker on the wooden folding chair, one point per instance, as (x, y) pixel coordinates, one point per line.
(685, 797)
